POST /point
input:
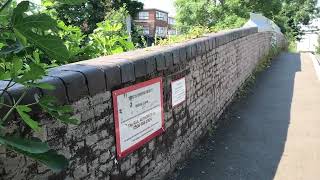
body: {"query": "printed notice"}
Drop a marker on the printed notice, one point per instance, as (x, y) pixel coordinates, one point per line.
(138, 112)
(178, 91)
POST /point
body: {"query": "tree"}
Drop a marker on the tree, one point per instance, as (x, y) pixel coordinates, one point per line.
(133, 7)
(85, 15)
(218, 14)
(295, 13)
(192, 13)
(88, 14)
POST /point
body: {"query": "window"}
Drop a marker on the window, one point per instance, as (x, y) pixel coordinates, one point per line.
(161, 31)
(146, 30)
(161, 16)
(171, 21)
(172, 32)
(144, 15)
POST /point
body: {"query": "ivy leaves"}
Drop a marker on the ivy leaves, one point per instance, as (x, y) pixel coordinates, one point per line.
(36, 29)
(23, 112)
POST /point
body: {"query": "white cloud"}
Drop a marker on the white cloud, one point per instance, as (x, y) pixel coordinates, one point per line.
(165, 5)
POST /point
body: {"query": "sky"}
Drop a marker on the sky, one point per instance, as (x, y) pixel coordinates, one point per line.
(165, 5)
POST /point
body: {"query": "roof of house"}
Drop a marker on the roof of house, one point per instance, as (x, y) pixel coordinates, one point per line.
(151, 9)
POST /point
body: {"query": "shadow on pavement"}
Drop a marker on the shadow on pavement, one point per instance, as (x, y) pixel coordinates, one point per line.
(249, 143)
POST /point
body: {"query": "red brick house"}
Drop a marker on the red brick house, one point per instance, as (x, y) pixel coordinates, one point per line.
(155, 22)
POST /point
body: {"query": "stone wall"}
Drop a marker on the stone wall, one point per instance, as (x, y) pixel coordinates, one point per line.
(215, 66)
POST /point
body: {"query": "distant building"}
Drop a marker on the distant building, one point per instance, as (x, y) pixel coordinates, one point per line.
(155, 22)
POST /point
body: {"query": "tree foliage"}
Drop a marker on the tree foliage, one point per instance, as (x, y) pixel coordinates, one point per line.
(91, 12)
(27, 40)
(221, 14)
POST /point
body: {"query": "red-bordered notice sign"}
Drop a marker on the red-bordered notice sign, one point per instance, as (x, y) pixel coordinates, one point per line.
(138, 114)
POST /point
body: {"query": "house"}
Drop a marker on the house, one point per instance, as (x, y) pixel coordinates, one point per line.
(155, 22)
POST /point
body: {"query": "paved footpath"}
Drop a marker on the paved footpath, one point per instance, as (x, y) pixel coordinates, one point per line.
(274, 133)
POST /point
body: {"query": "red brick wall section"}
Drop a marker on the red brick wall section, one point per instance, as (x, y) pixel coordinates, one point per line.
(214, 66)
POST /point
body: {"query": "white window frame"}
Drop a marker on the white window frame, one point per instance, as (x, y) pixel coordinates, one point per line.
(146, 30)
(161, 31)
(161, 16)
(143, 15)
(171, 21)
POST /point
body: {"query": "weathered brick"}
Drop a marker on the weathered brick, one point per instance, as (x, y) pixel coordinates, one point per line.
(214, 66)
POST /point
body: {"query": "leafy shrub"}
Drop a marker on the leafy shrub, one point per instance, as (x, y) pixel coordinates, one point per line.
(29, 42)
(194, 32)
(108, 39)
(230, 22)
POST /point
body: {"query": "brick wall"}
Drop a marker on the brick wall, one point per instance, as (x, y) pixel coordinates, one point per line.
(215, 66)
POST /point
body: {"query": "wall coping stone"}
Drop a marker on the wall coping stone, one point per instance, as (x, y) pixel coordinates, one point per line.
(77, 80)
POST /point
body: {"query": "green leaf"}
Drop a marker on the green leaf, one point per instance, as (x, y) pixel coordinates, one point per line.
(45, 86)
(51, 159)
(61, 113)
(20, 37)
(17, 15)
(48, 99)
(36, 56)
(53, 46)
(64, 109)
(15, 67)
(4, 74)
(34, 146)
(65, 118)
(35, 72)
(23, 110)
(117, 50)
(35, 29)
(40, 21)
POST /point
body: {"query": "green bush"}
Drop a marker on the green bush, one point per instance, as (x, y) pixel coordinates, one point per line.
(193, 33)
(32, 39)
(29, 39)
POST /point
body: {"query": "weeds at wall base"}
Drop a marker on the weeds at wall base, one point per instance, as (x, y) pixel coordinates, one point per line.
(263, 64)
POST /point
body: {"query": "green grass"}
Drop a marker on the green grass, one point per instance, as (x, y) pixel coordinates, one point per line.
(292, 47)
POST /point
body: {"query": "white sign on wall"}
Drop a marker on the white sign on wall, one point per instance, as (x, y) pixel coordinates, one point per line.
(138, 113)
(178, 88)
